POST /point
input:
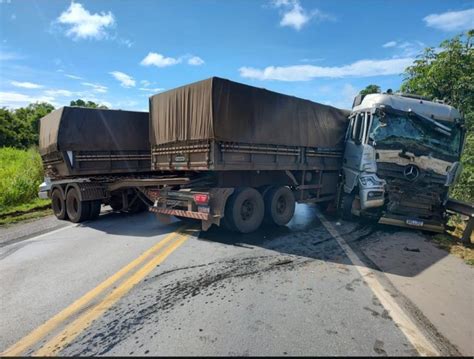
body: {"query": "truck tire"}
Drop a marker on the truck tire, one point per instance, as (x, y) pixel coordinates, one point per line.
(77, 210)
(245, 210)
(58, 204)
(94, 209)
(279, 206)
(345, 206)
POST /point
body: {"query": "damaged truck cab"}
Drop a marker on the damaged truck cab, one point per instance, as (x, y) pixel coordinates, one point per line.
(401, 157)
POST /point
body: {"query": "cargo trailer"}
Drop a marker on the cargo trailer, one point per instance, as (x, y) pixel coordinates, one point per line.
(251, 153)
(93, 157)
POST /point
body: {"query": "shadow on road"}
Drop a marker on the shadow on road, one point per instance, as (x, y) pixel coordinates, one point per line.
(398, 251)
(409, 252)
(140, 224)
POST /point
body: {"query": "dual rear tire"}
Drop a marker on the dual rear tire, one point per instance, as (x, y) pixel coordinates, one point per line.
(72, 207)
(247, 209)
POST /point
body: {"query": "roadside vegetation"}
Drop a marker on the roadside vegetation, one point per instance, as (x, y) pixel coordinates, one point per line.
(21, 170)
(455, 247)
(21, 173)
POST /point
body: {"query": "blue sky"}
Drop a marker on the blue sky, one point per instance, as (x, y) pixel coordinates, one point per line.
(120, 52)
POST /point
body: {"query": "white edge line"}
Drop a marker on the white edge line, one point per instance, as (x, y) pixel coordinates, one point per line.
(404, 323)
(52, 232)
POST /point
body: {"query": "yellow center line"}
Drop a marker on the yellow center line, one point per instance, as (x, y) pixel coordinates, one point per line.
(55, 345)
(43, 330)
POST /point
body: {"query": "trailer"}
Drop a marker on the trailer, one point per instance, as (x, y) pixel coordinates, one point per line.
(250, 154)
(89, 158)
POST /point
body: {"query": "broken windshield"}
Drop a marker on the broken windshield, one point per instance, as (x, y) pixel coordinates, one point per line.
(408, 133)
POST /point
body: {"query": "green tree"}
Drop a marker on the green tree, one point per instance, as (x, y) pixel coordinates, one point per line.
(447, 74)
(19, 128)
(370, 89)
(88, 104)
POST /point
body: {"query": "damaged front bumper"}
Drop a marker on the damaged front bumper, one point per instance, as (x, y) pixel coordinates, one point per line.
(371, 191)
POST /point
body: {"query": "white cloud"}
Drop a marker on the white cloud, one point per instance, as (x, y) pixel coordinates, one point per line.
(195, 61)
(158, 89)
(74, 77)
(26, 85)
(316, 59)
(96, 87)
(406, 48)
(15, 100)
(59, 93)
(451, 20)
(295, 16)
(390, 44)
(159, 60)
(145, 83)
(83, 24)
(6, 56)
(124, 79)
(361, 68)
(126, 42)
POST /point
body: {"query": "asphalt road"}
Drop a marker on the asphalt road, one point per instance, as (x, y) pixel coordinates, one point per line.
(130, 285)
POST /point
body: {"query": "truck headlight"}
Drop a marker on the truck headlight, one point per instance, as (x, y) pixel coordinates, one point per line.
(370, 181)
(367, 181)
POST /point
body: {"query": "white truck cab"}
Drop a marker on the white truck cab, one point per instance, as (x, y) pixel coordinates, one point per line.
(402, 155)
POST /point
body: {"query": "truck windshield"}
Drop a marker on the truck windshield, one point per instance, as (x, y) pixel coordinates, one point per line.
(404, 132)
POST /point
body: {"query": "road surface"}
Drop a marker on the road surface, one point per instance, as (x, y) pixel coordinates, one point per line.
(130, 285)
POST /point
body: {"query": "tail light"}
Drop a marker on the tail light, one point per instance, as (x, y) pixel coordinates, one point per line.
(201, 198)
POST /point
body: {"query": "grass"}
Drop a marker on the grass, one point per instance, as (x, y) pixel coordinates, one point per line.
(21, 173)
(451, 242)
(37, 208)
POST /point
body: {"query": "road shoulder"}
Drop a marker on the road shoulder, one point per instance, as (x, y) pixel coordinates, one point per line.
(25, 230)
(433, 285)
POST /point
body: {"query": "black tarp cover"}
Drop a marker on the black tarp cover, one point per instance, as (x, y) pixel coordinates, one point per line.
(222, 110)
(84, 129)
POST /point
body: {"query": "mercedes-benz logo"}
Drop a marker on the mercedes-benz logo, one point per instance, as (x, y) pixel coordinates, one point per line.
(411, 172)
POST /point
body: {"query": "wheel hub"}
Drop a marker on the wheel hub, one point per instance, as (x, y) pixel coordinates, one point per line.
(247, 209)
(281, 205)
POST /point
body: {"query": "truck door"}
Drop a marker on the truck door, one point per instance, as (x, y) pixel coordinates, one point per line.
(354, 151)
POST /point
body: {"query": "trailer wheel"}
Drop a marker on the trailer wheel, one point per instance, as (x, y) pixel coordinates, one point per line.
(58, 204)
(245, 210)
(345, 206)
(279, 206)
(94, 209)
(77, 210)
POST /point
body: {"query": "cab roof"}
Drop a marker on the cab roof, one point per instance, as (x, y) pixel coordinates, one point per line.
(435, 110)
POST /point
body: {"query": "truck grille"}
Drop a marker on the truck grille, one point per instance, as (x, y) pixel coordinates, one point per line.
(420, 197)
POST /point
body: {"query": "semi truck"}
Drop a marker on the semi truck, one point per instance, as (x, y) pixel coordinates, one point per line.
(237, 156)
(402, 155)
